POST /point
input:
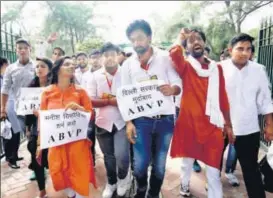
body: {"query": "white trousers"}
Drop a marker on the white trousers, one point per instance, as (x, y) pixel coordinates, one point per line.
(215, 189)
(70, 193)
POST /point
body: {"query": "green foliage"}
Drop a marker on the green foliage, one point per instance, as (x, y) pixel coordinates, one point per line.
(187, 16)
(218, 35)
(89, 44)
(73, 22)
(14, 12)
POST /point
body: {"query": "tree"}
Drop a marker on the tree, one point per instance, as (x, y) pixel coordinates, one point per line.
(13, 13)
(237, 11)
(218, 34)
(187, 16)
(88, 45)
(73, 22)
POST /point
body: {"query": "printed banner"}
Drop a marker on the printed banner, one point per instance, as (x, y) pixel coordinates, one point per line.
(28, 101)
(58, 127)
(143, 99)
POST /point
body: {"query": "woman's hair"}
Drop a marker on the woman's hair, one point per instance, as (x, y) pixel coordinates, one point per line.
(56, 68)
(35, 81)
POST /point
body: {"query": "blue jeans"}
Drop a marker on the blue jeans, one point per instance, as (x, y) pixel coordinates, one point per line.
(157, 133)
(231, 158)
(115, 148)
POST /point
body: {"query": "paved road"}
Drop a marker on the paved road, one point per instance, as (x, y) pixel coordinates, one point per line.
(16, 184)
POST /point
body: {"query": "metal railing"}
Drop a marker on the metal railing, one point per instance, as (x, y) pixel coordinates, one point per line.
(7, 43)
(265, 57)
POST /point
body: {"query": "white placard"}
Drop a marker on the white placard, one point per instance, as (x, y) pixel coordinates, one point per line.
(58, 127)
(29, 100)
(143, 99)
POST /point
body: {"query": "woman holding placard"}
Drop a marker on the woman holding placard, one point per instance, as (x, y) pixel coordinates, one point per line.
(42, 79)
(70, 165)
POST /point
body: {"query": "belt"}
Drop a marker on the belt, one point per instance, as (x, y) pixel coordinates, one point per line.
(158, 117)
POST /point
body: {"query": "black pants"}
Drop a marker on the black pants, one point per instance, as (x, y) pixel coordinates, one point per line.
(115, 148)
(11, 147)
(38, 169)
(92, 136)
(247, 148)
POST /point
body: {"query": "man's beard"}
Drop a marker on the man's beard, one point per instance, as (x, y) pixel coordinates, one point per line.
(197, 54)
(83, 66)
(141, 50)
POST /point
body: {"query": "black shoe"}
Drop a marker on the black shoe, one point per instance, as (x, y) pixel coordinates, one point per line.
(13, 166)
(19, 158)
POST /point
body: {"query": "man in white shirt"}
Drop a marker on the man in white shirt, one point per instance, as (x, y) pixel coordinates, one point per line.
(17, 75)
(110, 124)
(249, 95)
(95, 60)
(157, 130)
(84, 75)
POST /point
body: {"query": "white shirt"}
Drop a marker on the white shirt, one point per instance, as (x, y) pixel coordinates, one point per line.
(83, 77)
(17, 76)
(106, 116)
(160, 65)
(249, 95)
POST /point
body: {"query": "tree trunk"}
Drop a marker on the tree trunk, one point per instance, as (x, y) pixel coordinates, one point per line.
(227, 2)
(72, 39)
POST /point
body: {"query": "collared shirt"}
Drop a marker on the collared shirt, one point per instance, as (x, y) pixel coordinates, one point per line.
(249, 95)
(17, 76)
(98, 86)
(159, 66)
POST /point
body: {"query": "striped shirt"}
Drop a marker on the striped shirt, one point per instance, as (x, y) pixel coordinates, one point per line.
(17, 76)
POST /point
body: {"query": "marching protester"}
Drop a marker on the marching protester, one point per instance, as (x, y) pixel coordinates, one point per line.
(248, 90)
(110, 132)
(70, 165)
(17, 75)
(42, 79)
(180, 39)
(95, 60)
(204, 112)
(94, 63)
(83, 74)
(57, 53)
(149, 63)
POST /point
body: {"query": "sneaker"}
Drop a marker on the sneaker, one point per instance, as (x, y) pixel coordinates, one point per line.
(109, 191)
(13, 165)
(123, 185)
(185, 191)
(32, 177)
(232, 179)
(196, 167)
